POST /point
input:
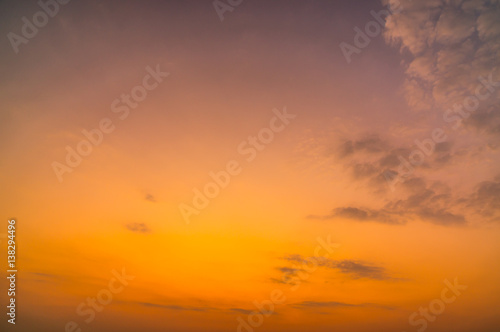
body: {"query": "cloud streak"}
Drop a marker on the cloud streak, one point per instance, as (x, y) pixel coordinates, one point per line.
(175, 307)
(354, 269)
(333, 304)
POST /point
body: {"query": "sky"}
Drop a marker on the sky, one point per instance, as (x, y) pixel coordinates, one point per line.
(251, 165)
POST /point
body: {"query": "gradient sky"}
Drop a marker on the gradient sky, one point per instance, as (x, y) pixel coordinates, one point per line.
(328, 174)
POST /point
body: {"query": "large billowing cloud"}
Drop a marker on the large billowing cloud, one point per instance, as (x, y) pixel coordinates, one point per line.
(452, 43)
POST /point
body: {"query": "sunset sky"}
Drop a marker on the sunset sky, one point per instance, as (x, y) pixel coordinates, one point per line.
(371, 151)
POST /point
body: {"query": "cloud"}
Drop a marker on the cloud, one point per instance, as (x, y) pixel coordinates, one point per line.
(288, 270)
(48, 277)
(369, 144)
(485, 121)
(416, 95)
(363, 170)
(355, 269)
(278, 281)
(374, 161)
(361, 270)
(333, 304)
(441, 217)
(454, 25)
(241, 311)
(175, 307)
(203, 309)
(485, 201)
(430, 202)
(449, 52)
(248, 312)
(360, 214)
(137, 227)
(150, 198)
(330, 304)
(488, 25)
(452, 44)
(289, 274)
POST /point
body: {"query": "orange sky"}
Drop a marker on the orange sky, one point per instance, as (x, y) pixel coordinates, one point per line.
(325, 176)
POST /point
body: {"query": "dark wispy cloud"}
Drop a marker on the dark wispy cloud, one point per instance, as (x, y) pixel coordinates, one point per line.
(279, 281)
(361, 270)
(150, 198)
(362, 214)
(376, 161)
(432, 203)
(47, 277)
(248, 312)
(200, 309)
(175, 307)
(241, 311)
(354, 269)
(289, 275)
(138, 227)
(333, 304)
(288, 270)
